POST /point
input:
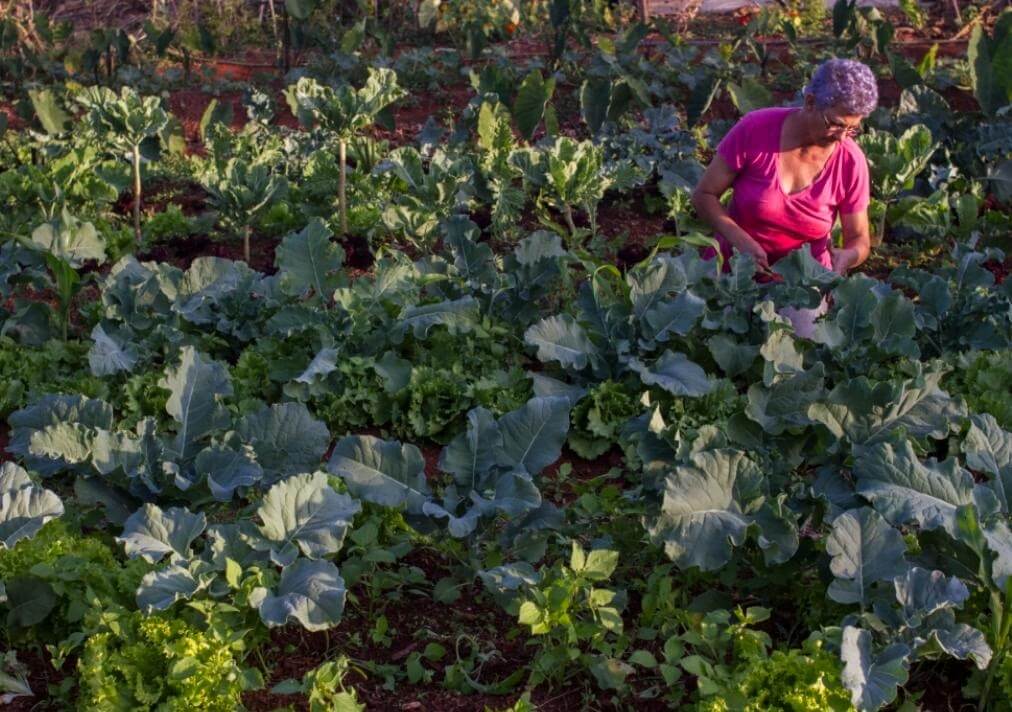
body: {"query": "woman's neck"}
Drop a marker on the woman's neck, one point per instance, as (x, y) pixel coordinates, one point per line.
(798, 133)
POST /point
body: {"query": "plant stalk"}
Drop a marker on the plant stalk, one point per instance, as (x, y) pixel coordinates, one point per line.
(1003, 622)
(245, 243)
(342, 151)
(137, 192)
(567, 213)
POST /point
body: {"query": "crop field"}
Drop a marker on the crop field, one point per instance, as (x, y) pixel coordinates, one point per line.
(367, 355)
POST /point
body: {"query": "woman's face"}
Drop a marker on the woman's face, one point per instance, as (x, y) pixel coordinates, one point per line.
(833, 124)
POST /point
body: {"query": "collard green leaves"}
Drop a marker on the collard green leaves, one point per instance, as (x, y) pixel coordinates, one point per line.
(303, 513)
(24, 506)
(702, 516)
(311, 593)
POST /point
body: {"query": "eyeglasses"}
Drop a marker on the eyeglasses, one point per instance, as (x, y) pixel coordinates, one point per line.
(851, 131)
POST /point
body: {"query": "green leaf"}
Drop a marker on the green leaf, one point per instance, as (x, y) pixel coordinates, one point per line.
(69, 240)
(674, 316)
(303, 511)
(24, 507)
(864, 550)
(458, 315)
(311, 593)
(904, 490)
(160, 590)
(152, 533)
(29, 601)
(532, 97)
(560, 338)
(922, 593)
(51, 115)
(227, 469)
(750, 95)
(595, 95)
(643, 658)
(196, 386)
(300, 9)
(472, 453)
(871, 678)
(110, 352)
(861, 412)
(701, 517)
(610, 673)
(600, 565)
(733, 357)
(533, 435)
(287, 439)
(309, 261)
(987, 446)
(675, 373)
(383, 472)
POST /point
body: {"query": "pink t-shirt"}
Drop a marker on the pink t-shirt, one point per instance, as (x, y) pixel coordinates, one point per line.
(777, 221)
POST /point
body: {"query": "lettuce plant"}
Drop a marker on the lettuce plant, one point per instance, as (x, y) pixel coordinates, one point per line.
(139, 662)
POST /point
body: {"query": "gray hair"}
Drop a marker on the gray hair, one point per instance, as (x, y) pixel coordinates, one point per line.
(845, 83)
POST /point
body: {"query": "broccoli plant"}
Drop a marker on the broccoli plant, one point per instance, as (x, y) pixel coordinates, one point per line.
(343, 112)
(241, 193)
(125, 122)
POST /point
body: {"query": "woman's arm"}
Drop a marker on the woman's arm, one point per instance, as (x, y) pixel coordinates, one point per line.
(706, 199)
(856, 242)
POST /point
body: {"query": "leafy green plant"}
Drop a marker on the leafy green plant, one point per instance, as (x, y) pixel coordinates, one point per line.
(795, 680)
(57, 578)
(895, 162)
(492, 468)
(343, 112)
(125, 122)
(578, 621)
(324, 688)
(983, 379)
(143, 662)
(13, 678)
(66, 243)
(988, 58)
(55, 367)
(425, 196)
(242, 193)
(598, 418)
(565, 175)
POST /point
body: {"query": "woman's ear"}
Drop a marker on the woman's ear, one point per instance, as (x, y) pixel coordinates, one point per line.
(809, 101)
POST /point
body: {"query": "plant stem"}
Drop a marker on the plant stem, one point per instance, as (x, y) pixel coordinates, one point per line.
(342, 151)
(245, 242)
(880, 237)
(1003, 622)
(137, 192)
(567, 213)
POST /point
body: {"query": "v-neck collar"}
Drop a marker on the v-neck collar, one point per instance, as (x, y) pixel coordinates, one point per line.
(780, 150)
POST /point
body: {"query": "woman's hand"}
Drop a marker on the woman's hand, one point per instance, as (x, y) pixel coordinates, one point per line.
(856, 242)
(744, 243)
(844, 258)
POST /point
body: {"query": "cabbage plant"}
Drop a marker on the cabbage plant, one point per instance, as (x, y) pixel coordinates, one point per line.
(125, 122)
(343, 112)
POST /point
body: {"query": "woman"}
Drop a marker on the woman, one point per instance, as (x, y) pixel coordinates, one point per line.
(794, 170)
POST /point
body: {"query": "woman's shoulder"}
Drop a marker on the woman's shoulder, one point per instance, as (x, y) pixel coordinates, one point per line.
(852, 154)
(767, 116)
